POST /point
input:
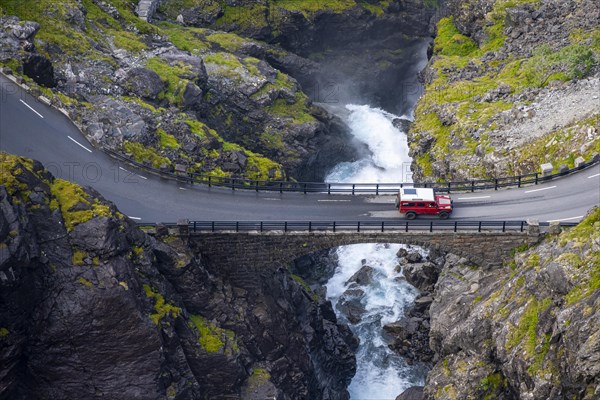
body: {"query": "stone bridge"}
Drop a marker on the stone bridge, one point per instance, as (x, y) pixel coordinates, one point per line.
(232, 252)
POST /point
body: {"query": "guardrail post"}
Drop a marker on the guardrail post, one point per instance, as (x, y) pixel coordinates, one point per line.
(285, 226)
(232, 184)
(382, 226)
(212, 226)
(377, 190)
(261, 226)
(504, 226)
(209, 181)
(237, 226)
(333, 226)
(431, 226)
(183, 226)
(305, 188)
(519, 181)
(406, 226)
(329, 188)
(310, 226)
(479, 228)
(522, 225)
(194, 226)
(353, 188)
(358, 227)
(536, 177)
(533, 229)
(280, 187)
(256, 186)
(455, 226)
(496, 184)
(472, 186)
(448, 187)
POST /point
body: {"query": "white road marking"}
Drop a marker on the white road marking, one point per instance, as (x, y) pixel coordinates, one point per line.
(473, 198)
(539, 190)
(123, 169)
(566, 219)
(31, 108)
(270, 199)
(593, 176)
(143, 177)
(180, 188)
(82, 146)
(336, 201)
(136, 218)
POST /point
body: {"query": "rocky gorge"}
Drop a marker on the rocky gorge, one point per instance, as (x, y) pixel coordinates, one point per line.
(227, 89)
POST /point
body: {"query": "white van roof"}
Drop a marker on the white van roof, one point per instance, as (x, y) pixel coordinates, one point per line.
(417, 194)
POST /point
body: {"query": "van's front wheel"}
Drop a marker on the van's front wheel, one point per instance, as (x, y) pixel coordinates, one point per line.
(411, 215)
(444, 215)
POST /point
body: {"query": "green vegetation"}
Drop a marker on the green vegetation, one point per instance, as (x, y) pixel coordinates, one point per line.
(258, 377)
(85, 282)
(492, 385)
(527, 326)
(450, 42)
(228, 41)
(212, 338)
(246, 17)
(75, 205)
(162, 308)
(297, 112)
(173, 75)
(305, 286)
(167, 141)
(3, 332)
(78, 257)
(463, 99)
(129, 41)
(143, 154)
(186, 39)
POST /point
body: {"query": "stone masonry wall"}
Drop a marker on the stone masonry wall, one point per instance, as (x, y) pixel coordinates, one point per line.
(241, 253)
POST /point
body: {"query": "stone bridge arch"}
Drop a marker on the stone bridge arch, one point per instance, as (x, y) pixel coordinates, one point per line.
(242, 254)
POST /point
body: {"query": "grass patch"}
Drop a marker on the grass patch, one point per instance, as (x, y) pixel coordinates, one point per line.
(75, 204)
(167, 141)
(85, 282)
(143, 154)
(173, 75)
(212, 338)
(450, 42)
(297, 112)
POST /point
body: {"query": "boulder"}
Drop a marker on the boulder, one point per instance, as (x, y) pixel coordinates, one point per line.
(144, 83)
(363, 276)
(412, 393)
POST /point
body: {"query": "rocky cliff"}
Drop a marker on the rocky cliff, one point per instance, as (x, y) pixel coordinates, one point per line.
(511, 85)
(94, 307)
(528, 330)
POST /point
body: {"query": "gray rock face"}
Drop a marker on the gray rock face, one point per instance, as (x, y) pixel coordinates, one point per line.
(363, 277)
(520, 332)
(412, 393)
(144, 83)
(95, 307)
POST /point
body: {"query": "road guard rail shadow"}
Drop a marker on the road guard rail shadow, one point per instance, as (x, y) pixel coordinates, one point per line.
(351, 188)
(356, 226)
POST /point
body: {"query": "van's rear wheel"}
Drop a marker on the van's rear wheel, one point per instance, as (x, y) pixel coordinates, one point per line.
(411, 215)
(444, 215)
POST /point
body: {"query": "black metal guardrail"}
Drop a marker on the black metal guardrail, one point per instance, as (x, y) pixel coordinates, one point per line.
(350, 188)
(356, 226)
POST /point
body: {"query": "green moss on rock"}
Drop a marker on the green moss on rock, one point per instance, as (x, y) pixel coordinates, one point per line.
(212, 338)
(75, 204)
(161, 307)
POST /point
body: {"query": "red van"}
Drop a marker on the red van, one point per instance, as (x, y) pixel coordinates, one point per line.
(422, 201)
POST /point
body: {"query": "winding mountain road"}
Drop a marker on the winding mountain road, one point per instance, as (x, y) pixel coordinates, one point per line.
(32, 129)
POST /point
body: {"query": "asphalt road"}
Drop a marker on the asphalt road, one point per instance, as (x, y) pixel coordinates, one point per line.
(32, 129)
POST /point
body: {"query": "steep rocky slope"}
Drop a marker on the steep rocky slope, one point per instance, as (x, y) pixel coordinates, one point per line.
(525, 331)
(209, 101)
(93, 307)
(511, 85)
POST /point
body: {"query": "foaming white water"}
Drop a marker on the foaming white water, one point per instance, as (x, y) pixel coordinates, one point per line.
(388, 162)
(381, 374)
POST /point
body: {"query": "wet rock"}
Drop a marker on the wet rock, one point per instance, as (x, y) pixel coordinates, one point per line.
(412, 393)
(351, 308)
(363, 276)
(422, 275)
